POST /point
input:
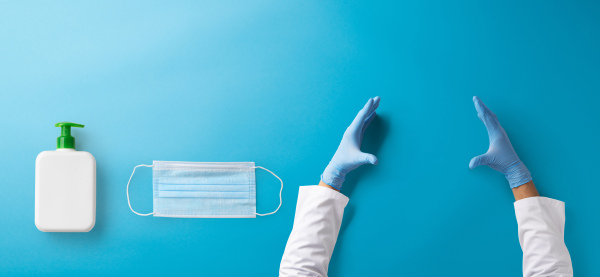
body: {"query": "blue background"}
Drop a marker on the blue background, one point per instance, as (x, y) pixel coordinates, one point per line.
(277, 83)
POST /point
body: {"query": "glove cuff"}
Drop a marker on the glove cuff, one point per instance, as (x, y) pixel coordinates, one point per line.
(518, 175)
(333, 177)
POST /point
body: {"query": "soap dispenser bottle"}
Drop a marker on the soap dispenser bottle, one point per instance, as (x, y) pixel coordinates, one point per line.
(65, 186)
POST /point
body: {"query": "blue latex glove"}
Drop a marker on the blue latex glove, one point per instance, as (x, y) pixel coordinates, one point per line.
(348, 155)
(500, 156)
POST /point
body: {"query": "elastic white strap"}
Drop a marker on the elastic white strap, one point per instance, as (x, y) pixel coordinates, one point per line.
(128, 202)
(280, 200)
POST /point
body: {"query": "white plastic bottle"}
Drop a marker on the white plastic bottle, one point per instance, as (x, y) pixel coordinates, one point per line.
(65, 186)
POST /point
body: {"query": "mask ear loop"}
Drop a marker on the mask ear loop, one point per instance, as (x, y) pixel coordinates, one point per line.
(128, 202)
(281, 190)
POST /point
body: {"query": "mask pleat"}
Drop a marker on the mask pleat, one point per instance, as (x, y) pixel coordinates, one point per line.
(204, 189)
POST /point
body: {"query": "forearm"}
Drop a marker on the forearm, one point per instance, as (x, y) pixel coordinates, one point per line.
(541, 223)
(319, 213)
(541, 233)
(320, 208)
(525, 191)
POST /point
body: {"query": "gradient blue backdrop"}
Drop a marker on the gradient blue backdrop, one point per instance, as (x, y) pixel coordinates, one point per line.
(277, 82)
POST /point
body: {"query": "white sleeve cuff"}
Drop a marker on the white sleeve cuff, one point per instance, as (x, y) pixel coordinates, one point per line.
(539, 201)
(324, 192)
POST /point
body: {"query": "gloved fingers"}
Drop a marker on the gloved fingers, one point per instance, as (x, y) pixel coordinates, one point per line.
(479, 160)
(362, 115)
(486, 115)
(368, 121)
(376, 100)
(374, 107)
(479, 105)
(366, 158)
(371, 114)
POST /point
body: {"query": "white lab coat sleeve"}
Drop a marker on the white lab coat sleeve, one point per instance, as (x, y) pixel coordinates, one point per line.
(319, 213)
(541, 235)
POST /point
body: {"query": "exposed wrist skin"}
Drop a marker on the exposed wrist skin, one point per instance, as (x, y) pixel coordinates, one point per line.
(525, 191)
(321, 184)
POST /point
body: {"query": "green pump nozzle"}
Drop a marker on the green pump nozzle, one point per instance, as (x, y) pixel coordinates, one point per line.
(66, 140)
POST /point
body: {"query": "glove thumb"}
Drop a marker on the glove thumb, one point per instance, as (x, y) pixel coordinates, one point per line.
(479, 160)
(366, 158)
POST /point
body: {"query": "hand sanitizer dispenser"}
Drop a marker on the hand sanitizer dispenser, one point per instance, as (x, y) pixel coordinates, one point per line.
(65, 186)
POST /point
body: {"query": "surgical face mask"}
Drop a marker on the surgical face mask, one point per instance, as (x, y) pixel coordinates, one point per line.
(204, 190)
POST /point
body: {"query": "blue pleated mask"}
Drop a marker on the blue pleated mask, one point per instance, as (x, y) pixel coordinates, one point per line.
(204, 190)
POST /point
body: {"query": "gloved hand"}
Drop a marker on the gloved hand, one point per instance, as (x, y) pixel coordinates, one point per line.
(500, 156)
(348, 155)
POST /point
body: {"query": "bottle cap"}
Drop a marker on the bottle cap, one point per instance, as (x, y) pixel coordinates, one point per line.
(66, 140)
